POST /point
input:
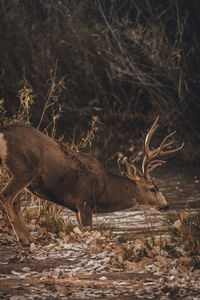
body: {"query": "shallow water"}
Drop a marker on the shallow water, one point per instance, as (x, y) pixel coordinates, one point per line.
(181, 188)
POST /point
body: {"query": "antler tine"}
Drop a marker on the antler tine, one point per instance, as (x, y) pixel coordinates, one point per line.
(156, 163)
(124, 166)
(131, 168)
(131, 171)
(149, 136)
(163, 145)
(152, 157)
(148, 153)
(119, 165)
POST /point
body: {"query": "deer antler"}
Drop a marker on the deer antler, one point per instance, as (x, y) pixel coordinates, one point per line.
(128, 169)
(154, 158)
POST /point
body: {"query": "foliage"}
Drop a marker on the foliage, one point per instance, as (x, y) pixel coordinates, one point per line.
(23, 113)
(182, 238)
(86, 141)
(124, 62)
(26, 100)
(47, 215)
(186, 232)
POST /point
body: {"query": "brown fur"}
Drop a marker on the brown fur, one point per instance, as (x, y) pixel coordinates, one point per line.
(77, 181)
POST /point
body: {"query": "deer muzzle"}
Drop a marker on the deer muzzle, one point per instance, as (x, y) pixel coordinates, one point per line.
(163, 205)
(164, 208)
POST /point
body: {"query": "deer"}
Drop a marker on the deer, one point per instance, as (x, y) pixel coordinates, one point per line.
(52, 171)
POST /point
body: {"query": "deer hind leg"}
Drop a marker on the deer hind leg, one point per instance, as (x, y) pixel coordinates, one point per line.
(8, 197)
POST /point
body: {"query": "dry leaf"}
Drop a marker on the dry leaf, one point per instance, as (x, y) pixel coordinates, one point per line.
(184, 215)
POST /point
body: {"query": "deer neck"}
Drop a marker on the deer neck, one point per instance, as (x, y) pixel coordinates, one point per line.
(120, 194)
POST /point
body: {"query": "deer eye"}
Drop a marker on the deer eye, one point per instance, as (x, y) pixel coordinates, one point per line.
(153, 190)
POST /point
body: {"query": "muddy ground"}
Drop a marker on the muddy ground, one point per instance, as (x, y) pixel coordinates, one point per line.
(93, 265)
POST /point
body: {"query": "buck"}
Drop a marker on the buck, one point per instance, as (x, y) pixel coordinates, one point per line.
(75, 180)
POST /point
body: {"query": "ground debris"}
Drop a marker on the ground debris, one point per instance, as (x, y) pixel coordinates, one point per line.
(89, 265)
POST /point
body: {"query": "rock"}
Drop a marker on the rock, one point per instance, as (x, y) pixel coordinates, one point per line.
(103, 278)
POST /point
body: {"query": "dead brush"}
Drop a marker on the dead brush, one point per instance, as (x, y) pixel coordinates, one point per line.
(86, 142)
(153, 235)
(183, 232)
(187, 232)
(46, 215)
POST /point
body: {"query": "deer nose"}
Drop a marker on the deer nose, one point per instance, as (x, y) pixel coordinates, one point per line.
(164, 208)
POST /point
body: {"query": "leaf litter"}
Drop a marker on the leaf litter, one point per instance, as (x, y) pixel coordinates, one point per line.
(90, 265)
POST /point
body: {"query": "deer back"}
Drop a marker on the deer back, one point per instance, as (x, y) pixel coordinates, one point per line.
(57, 172)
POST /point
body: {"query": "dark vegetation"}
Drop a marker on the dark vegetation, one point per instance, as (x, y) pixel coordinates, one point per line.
(123, 61)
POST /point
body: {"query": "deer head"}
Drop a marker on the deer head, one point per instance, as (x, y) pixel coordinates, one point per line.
(147, 192)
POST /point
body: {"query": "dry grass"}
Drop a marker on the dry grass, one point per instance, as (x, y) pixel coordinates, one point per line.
(186, 232)
(124, 63)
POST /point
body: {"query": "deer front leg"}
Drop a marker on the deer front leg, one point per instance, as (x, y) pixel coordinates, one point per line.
(84, 215)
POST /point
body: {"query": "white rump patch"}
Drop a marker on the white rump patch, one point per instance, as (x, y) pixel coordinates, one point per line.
(3, 146)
